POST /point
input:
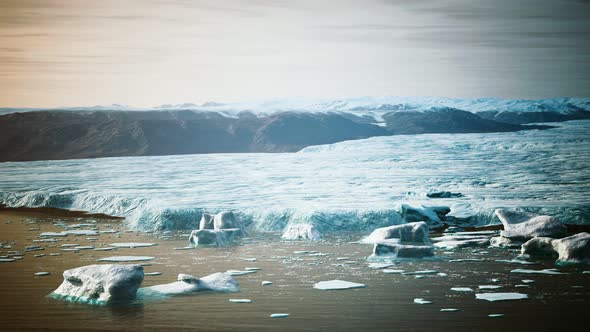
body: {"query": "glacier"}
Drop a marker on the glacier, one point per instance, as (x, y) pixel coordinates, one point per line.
(348, 186)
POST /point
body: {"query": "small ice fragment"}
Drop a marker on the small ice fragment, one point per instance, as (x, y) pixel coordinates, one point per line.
(152, 273)
(40, 274)
(527, 281)
(500, 296)
(252, 269)
(184, 248)
(125, 259)
(337, 285)
(132, 244)
(104, 249)
(69, 245)
(495, 315)
(70, 249)
(250, 259)
(461, 289)
(303, 252)
(377, 266)
(84, 247)
(279, 315)
(391, 271)
(266, 283)
(39, 255)
(82, 232)
(421, 301)
(494, 280)
(516, 261)
(6, 260)
(240, 300)
(449, 310)
(545, 271)
(238, 272)
(441, 274)
(52, 234)
(422, 272)
(55, 254)
(466, 260)
(489, 287)
(585, 272)
(342, 258)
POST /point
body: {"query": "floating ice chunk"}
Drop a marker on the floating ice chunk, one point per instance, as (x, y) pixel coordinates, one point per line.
(545, 271)
(454, 244)
(84, 247)
(421, 301)
(527, 281)
(250, 259)
(449, 310)
(239, 273)
(495, 315)
(394, 249)
(432, 215)
(132, 244)
(55, 254)
(337, 285)
(571, 249)
(82, 232)
(40, 274)
(279, 315)
(489, 287)
(377, 266)
(266, 283)
(186, 284)
(39, 255)
(301, 232)
(516, 261)
(523, 225)
(441, 274)
(109, 231)
(415, 233)
(152, 274)
(216, 237)
(304, 252)
(70, 249)
(422, 272)
(7, 260)
(466, 260)
(240, 300)
(390, 271)
(461, 289)
(53, 234)
(522, 286)
(585, 272)
(100, 284)
(104, 249)
(184, 248)
(68, 245)
(252, 269)
(504, 242)
(125, 259)
(500, 296)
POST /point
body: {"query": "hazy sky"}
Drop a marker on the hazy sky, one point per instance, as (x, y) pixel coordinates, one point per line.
(151, 52)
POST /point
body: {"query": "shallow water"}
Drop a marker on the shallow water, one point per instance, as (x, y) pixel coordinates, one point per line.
(386, 303)
(354, 185)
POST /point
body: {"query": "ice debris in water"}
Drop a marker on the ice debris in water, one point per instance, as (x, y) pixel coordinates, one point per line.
(421, 301)
(266, 283)
(461, 289)
(281, 315)
(377, 266)
(239, 273)
(527, 281)
(449, 310)
(240, 300)
(125, 259)
(500, 296)
(422, 272)
(544, 271)
(132, 244)
(392, 271)
(40, 274)
(495, 315)
(489, 287)
(186, 284)
(337, 285)
(152, 274)
(100, 284)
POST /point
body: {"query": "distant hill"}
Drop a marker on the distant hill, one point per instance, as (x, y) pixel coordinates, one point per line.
(55, 134)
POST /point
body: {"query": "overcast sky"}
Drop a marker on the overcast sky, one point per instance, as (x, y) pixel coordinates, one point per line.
(151, 52)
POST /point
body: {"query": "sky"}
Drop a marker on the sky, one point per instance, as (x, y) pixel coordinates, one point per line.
(150, 52)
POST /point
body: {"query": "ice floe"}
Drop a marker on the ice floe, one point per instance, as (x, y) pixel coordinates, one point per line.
(571, 249)
(461, 289)
(522, 225)
(186, 284)
(337, 285)
(279, 315)
(240, 300)
(492, 297)
(132, 244)
(125, 259)
(544, 271)
(415, 232)
(421, 301)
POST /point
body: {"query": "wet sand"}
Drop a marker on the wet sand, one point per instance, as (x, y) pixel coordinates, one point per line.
(555, 301)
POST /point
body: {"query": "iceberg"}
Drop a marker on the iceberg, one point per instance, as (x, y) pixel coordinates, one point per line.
(100, 284)
(571, 249)
(522, 225)
(394, 249)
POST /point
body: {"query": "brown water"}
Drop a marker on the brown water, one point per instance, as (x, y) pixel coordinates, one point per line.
(385, 305)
